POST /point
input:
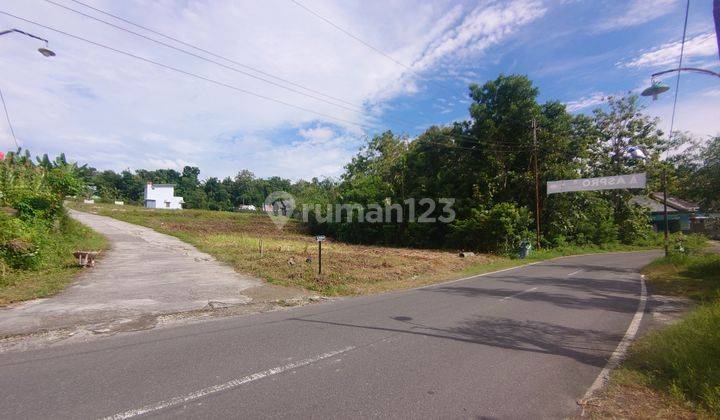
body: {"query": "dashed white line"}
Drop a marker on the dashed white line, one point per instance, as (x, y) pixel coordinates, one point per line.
(223, 387)
(519, 293)
(574, 272)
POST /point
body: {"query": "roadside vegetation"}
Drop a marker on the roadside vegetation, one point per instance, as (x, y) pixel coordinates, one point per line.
(674, 370)
(37, 238)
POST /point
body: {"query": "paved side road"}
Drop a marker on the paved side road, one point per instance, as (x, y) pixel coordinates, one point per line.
(144, 272)
(523, 343)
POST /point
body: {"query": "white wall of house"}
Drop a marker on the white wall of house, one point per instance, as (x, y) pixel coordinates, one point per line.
(162, 196)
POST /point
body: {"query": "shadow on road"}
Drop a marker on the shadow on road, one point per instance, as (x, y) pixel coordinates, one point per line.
(586, 346)
(607, 302)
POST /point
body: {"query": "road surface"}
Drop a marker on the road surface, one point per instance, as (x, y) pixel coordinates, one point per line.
(526, 342)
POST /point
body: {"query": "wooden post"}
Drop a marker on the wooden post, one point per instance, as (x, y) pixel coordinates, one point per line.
(319, 257)
(261, 247)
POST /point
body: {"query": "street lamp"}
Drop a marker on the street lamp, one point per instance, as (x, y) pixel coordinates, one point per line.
(47, 52)
(657, 87)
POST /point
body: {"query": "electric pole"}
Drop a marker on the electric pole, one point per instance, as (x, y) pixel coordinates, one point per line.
(665, 213)
(537, 184)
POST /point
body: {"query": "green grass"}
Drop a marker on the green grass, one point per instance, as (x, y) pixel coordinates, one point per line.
(696, 277)
(58, 267)
(683, 359)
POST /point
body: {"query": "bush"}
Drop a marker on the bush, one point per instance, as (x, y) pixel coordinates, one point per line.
(580, 219)
(635, 227)
(681, 245)
(500, 229)
(31, 197)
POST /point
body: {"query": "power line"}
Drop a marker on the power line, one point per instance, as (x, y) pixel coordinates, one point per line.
(216, 55)
(354, 108)
(7, 116)
(402, 121)
(365, 43)
(501, 146)
(677, 82)
(187, 73)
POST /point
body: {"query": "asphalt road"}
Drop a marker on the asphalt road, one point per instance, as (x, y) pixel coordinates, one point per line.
(525, 343)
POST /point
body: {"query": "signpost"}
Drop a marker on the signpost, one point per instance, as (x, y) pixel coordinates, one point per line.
(595, 184)
(320, 239)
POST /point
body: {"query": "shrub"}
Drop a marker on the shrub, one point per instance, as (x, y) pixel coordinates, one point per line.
(635, 227)
(500, 229)
(31, 197)
(580, 219)
(681, 245)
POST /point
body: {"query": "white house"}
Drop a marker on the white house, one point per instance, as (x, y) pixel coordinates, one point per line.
(246, 207)
(162, 196)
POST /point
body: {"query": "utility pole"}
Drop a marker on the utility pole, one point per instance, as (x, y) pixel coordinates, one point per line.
(537, 184)
(665, 213)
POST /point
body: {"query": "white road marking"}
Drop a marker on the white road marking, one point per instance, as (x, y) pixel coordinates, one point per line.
(430, 286)
(574, 272)
(519, 293)
(622, 347)
(223, 387)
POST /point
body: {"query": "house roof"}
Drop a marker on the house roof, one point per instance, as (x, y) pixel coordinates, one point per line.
(654, 203)
(163, 185)
(677, 203)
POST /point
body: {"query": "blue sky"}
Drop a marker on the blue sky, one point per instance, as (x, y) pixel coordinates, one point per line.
(115, 112)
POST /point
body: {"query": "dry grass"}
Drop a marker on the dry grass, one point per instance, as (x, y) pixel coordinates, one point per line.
(235, 238)
(627, 396)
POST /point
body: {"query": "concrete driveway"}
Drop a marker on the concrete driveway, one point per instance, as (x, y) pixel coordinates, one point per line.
(143, 273)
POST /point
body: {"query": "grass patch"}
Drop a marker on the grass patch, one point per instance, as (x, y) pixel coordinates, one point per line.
(235, 239)
(58, 267)
(684, 359)
(696, 277)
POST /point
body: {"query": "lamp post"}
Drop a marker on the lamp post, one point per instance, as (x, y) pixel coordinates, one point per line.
(656, 88)
(46, 51)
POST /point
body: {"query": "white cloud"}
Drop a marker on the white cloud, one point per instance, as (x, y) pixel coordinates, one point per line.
(699, 115)
(588, 101)
(160, 163)
(702, 45)
(712, 93)
(322, 157)
(484, 26)
(637, 12)
(115, 112)
(317, 133)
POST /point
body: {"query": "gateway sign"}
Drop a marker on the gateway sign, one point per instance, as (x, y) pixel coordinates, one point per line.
(594, 184)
